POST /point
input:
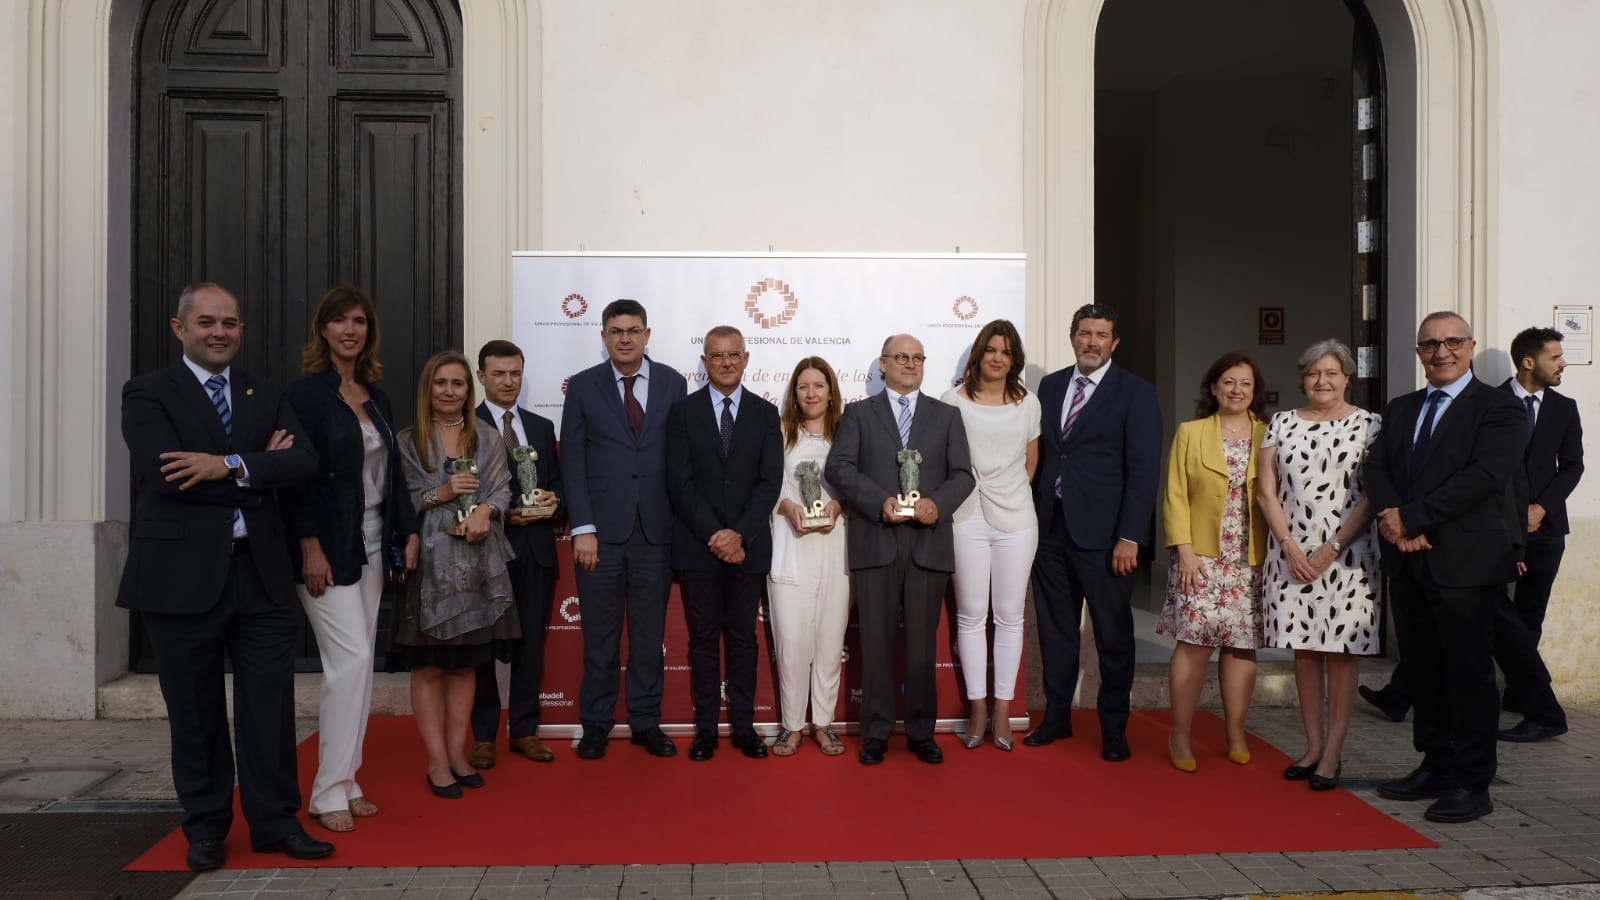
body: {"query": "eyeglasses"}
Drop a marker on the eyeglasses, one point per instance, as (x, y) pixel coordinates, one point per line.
(1452, 344)
(906, 359)
(635, 332)
(725, 356)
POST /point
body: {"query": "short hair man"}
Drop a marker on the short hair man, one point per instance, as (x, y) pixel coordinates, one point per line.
(724, 472)
(1095, 493)
(533, 572)
(1438, 474)
(210, 446)
(900, 564)
(614, 453)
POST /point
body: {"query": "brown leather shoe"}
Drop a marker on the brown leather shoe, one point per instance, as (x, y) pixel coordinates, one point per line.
(482, 755)
(532, 748)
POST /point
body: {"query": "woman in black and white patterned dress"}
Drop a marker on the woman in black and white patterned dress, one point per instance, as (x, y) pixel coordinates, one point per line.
(1320, 587)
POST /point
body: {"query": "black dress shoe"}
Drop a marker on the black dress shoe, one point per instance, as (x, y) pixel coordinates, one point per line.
(593, 743)
(1392, 708)
(704, 746)
(749, 743)
(451, 791)
(299, 845)
(927, 751)
(205, 855)
(1528, 731)
(1296, 772)
(872, 751)
(1114, 748)
(1048, 733)
(1421, 784)
(1319, 783)
(1460, 805)
(655, 742)
(474, 780)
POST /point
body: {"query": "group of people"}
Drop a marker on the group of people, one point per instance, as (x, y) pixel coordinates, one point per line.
(311, 492)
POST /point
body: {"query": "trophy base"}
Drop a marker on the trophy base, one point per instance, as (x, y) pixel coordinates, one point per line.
(535, 512)
(816, 521)
(905, 512)
(908, 504)
(456, 529)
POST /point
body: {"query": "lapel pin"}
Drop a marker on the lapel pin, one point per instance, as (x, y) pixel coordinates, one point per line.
(249, 392)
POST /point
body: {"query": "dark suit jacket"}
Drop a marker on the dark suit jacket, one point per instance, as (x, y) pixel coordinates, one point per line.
(710, 492)
(1110, 468)
(1460, 496)
(864, 472)
(536, 541)
(611, 476)
(182, 540)
(1554, 458)
(331, 505)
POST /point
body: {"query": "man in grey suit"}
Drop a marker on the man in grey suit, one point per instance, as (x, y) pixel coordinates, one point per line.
(900, 564)
(614, 457)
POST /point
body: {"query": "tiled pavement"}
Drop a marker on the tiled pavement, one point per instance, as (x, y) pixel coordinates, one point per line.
(1545, 831)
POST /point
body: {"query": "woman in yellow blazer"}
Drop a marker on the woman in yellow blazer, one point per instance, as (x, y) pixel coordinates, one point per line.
(1218, 540)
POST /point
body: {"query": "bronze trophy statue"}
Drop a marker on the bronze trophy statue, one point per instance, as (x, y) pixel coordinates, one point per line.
(910, 479)
(465, 503)
(809, 474)
(527, 475)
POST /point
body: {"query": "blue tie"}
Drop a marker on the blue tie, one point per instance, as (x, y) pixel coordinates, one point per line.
(905, 421)
(1419, 449)
(219, 401)
(1533, 416)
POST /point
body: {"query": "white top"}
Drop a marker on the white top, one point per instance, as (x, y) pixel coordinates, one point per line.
(785, 564)
(998, 437)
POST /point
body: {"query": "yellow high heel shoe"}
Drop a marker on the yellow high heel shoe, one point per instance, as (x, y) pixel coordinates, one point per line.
(1239, 757)
(1182, 765)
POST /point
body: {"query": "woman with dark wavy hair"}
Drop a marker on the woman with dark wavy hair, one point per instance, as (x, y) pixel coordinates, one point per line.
(995, 529)
(1218, 542)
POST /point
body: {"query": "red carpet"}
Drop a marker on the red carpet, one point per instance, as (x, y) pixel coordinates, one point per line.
(1056, 801)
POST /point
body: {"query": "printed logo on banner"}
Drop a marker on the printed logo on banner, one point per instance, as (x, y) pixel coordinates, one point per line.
(572, 609)
(965, 308)
(573, 306)
(778, 317)
(554, 699)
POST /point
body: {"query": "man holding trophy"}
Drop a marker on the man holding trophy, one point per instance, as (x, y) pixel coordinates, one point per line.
(530, 441)
(900, 462)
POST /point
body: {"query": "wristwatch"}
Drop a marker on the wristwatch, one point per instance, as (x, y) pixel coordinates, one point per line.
(235, 466)
(1335, 546)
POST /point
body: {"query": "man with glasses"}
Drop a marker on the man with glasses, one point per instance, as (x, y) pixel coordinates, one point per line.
(1440, 475)
(614, 456)
(1095, 494)
(900, 564)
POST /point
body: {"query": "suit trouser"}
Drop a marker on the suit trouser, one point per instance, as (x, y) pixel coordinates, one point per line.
(1064, 577)
(1524, 673)
(345, 621)
(258, 635)
(720, 609)
(1447, 640)
(533, 587)
(632, 579)
(885, 594)
(809, 620)
(991, 568)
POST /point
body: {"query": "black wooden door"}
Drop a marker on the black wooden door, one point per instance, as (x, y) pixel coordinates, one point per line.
(282, 147)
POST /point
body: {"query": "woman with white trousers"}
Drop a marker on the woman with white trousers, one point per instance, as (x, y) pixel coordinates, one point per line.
(995, 530)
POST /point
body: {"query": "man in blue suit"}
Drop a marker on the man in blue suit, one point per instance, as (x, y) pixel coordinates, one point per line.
(613, 457)
(1095, 493)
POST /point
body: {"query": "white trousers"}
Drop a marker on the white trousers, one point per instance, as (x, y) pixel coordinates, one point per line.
(992, 567)
(345, 621)
(808, 625)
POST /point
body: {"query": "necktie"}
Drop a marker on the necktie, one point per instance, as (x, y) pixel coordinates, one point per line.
(727, 425)
(1533, 417)
(1419, 449)
(509, 433)
(630, 405)
(219, 401)
(904, 421)
(1079, 398)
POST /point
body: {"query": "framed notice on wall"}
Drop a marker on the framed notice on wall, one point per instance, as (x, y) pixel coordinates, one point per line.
(1576, 324)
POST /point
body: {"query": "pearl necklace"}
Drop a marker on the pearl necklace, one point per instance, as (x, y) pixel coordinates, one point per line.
(443, 424)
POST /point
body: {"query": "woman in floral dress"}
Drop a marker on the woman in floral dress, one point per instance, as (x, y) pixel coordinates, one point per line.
(1218, 541)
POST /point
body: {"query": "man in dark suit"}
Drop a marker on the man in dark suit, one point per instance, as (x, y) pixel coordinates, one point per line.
(1438, 475)
(900, 564)
(1095, 493)
(724, 471)
(208, 570)
(533, 571)
(1553, 463)
(613, 440)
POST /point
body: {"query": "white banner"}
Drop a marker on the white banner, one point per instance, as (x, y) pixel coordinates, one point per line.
(836, 306)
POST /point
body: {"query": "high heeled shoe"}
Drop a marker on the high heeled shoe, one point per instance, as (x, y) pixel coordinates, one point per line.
(1189, 764)
(1003, 742)
(1319, 783)
(1297, 772)
(971, 741)
(1239, 757)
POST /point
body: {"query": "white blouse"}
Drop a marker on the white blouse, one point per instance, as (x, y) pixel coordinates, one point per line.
(998, 437)
(785, 565)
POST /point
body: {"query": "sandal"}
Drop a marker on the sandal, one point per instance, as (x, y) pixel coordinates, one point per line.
(829, 741)
(338, 820)
(362, 808)
(787, 743)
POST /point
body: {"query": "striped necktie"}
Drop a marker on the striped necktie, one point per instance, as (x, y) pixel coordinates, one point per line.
(219, 402)
(1073, 408)
(905, 421)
